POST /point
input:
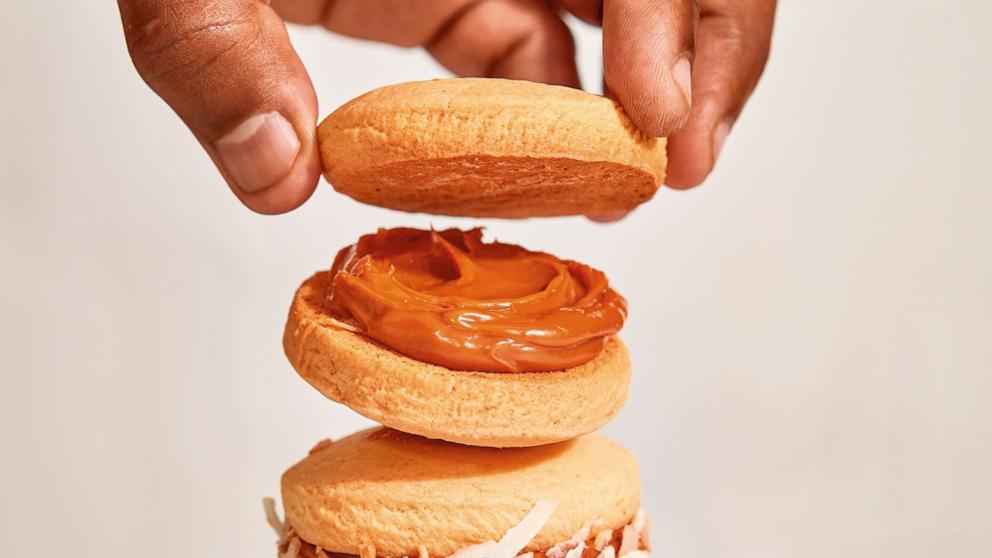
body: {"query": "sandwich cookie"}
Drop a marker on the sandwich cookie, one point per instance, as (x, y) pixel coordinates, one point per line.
(441, 334)
(385, 493)
(489, 148)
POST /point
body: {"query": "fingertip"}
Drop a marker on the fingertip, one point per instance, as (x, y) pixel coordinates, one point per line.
(694, 150)
(608, 217)
(685, 180)
(659, 121)
(648, 59)
(690, 162)
(286, 195)
(656, 111)
(693, 154)
(291, 190)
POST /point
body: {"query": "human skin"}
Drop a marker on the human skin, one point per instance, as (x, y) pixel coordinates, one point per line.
(680, 68)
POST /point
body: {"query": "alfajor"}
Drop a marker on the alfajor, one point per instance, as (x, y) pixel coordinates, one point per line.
(441, 334)
(489, 148)
(383, 493)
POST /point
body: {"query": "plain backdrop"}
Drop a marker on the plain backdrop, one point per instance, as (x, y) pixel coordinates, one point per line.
(811, 330)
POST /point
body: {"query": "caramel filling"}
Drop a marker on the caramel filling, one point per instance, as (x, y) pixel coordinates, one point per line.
(448, 298)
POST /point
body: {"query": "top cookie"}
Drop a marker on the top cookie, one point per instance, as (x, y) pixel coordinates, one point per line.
(489, 148)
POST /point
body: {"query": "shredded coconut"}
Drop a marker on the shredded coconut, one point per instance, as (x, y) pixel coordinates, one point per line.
(271, 516)
(516, 537)
(566, 549)
(629, 542)
(293, 550)
(482, 550)
(287, 534)
(603, 538)
(639, 519)
(634, 539)
(577, 551)
(646, 533)
(342, 325)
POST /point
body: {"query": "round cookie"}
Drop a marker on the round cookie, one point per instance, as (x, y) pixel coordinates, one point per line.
(392, 492)
(475, 408)
(489, 148)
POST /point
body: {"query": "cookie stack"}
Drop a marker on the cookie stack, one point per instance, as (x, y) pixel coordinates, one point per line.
(489, 366)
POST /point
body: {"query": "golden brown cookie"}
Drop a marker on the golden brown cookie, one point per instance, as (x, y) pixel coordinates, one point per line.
(476, 408)
(489, 148)
(395, 493)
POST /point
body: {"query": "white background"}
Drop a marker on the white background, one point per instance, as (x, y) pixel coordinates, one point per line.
(811, 330)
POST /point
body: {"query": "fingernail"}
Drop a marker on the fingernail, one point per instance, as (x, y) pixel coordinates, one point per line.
(720, 136)
(682, 72)
(608, 217)
(259, 152)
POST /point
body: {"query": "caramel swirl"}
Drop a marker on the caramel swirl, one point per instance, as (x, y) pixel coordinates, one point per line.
(448, 298)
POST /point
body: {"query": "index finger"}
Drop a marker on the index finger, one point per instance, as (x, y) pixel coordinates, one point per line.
(648, 51)
(515, 39)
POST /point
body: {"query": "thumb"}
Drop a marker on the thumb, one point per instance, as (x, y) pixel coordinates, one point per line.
(228, 70)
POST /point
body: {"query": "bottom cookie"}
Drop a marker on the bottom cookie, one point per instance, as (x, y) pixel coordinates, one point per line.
(383, 493)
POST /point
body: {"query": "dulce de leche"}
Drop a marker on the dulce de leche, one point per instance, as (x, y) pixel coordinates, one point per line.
(448, 298)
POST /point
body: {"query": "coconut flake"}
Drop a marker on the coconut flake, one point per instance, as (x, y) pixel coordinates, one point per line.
(629, 541)
(559, 550)
(646, 533)
(577, 551)
(582, 534)
(287, 534)
(293, 549)
(272, 517)
(638, 554)
(603, 538)
(640, 518)
(564, 549)
(608, 552)
(482, 550)
(518, 536)
(422, 552)
(515, 538)
(342, 325)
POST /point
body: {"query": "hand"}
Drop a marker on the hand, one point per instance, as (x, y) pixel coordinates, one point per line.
(228, 70)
